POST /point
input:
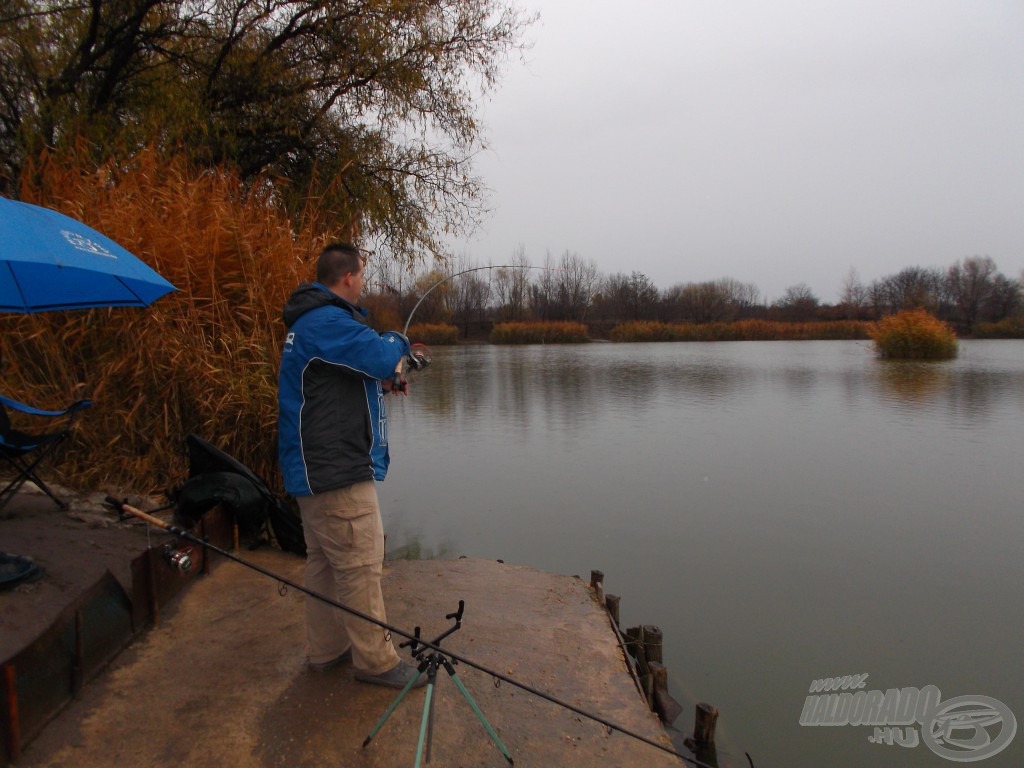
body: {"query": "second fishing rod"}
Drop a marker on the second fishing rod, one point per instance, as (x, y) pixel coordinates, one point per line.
(414, 637)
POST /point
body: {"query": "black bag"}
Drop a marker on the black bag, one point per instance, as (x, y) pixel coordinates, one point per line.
(217, 478)
(202, 493)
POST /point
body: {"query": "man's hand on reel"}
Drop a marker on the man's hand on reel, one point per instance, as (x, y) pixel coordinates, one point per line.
(417, 359)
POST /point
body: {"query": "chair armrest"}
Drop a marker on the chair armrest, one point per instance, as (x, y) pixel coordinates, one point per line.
(23, 408)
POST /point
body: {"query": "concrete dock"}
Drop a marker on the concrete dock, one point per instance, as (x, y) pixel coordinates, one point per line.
(221, 681)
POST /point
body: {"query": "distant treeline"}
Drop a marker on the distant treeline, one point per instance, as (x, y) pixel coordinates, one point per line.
(972, 295)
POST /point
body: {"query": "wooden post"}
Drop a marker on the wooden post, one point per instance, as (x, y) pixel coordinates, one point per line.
(652, 643)
(704, 724)
(597, 582)
(13, 723)
(666, 707)
(78, 663)
(611, 603)
(154, 607)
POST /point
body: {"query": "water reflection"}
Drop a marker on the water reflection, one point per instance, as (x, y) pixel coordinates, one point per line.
(967, 396)
(912, 383)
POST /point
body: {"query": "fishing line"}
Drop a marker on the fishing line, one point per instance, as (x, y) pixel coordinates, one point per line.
(405, 331)
(123, 508)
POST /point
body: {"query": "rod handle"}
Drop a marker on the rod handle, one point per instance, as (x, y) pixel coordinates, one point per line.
(144, 516)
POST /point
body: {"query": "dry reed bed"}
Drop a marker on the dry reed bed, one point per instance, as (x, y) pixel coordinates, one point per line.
(203, 359)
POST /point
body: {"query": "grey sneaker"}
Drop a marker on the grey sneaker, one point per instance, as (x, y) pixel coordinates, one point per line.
(396, 677)
(323, 666)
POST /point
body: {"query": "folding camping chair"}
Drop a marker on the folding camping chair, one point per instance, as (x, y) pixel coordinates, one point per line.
(25, 451)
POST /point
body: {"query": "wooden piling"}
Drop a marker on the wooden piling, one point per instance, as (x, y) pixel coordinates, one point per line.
(78, 662)
(597, 584)
(704, 723)
(643, 647)
(611, 604)
(13, 724)
(652, 643)
(666, 707)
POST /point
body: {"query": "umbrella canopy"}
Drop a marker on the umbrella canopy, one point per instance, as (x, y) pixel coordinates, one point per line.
(49, 261)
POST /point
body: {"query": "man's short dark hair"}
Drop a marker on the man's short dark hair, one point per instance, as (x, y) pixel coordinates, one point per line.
(336, 261)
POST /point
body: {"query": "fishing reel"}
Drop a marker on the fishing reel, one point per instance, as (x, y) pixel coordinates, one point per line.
(179, 559)
(417, 359)
(419, 356)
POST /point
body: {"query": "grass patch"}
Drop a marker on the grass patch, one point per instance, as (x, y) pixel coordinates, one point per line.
(539, 333)
(914, 335)
(434, 334)
(742, 330)
(1010, 328)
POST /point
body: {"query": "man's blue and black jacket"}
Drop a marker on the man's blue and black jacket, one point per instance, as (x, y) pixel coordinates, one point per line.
(332, 424)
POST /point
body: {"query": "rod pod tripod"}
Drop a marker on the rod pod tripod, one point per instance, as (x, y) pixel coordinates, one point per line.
(429, 663)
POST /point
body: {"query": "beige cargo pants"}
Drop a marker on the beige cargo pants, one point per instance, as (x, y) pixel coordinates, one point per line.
(344, 560)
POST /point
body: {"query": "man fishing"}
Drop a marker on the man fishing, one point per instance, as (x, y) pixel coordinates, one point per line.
(332, 445)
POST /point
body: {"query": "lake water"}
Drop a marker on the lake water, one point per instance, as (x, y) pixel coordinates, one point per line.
(784, 511)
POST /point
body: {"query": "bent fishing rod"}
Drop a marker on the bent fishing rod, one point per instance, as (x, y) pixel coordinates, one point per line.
(419, 356)
(442, 281)
(125, 508)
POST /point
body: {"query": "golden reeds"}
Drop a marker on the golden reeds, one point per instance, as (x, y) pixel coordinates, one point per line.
(539, 333)
(203, 359)
(741, 330)
(437, 334)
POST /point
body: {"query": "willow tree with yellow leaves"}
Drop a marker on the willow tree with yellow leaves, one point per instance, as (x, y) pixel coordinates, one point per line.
(223, 141)
(367, 106)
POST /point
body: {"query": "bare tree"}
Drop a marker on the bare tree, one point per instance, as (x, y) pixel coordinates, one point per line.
(798, 303)
(741, 297)
(853, 294)
(469, 294)
(544, 291)
(706, 302)
(512, 287)
(911, 288)
(1006, 299)
(971, 286)
(623, 298)
(575, 282)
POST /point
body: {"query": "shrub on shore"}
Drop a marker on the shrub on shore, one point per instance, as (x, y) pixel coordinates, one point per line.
(741, 330)
(434, 334)
(539, 333)
(914, 335)
(1010, 328)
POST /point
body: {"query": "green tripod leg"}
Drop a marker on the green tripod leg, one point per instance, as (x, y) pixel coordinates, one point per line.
(427, 712)
(476, 711)
(394, 704)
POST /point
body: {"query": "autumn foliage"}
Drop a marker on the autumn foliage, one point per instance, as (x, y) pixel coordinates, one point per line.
(741, 330)
(203, 359)
(914, 335)
(539, 333)
(435, 334)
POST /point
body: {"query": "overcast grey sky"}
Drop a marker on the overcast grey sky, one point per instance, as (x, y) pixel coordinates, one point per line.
(772, 141)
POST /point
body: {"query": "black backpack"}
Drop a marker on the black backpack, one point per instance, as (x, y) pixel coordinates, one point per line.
(217, 478)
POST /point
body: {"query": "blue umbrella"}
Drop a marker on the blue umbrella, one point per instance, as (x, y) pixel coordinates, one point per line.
(50, 261)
